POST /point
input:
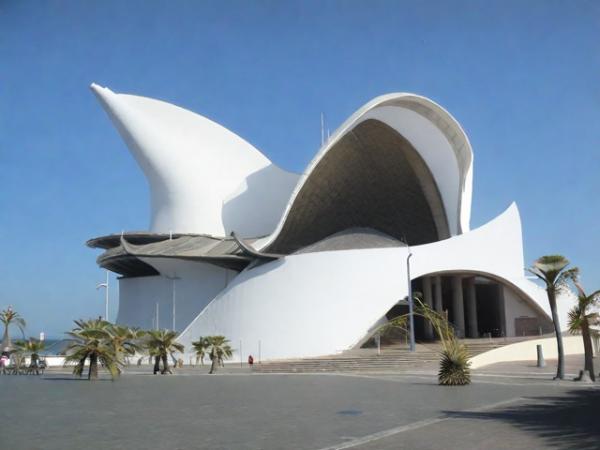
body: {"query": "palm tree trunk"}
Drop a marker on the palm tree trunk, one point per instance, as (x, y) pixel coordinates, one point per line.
(93, 372)
(156, 364)
(588, 349)
(35, 363)
(81, 366)
(6, 339)
(214, 365)
(560, 370)
(165, 360)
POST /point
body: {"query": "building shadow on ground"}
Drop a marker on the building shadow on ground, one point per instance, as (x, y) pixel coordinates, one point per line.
(568, 421)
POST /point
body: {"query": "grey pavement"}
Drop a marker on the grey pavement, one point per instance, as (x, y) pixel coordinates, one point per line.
(573, 364)
(251, 411)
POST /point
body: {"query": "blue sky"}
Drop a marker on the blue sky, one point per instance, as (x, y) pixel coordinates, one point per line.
(521, 77)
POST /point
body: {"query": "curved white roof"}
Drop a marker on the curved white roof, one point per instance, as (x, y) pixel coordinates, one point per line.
(434, 134)
(205, 179)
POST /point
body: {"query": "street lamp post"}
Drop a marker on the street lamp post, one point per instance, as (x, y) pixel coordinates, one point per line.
(157, 321)
(410, 303)
(173, 298)
(105, 286)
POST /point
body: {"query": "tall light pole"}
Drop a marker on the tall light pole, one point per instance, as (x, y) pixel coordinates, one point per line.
(411, 313)
(157, 322)
(105, 286)
(173, 298)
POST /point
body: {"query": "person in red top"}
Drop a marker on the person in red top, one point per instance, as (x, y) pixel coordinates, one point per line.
(250, 360)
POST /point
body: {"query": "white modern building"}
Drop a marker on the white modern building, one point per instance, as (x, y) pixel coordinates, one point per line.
(293, 265)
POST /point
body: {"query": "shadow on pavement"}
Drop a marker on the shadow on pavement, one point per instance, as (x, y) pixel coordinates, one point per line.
(74, 379)
(569, 421)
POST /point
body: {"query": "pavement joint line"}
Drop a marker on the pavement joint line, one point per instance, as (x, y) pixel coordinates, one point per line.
(395, 378)
(403, 378)
(533, 382)
(416, 425)
(398, 377)
(548, 383)
(520, 374)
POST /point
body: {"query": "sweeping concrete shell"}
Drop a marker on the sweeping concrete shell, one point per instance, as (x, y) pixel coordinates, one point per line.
(203, 178)
(318, 259)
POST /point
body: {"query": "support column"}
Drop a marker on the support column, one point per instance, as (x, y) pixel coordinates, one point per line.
(438, 294)
(471, 300)
(458, 308)
(429, 302)
(502, 310)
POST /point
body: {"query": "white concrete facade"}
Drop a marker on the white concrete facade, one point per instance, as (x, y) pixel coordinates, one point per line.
(181, 291)
(205, 180)
(333, 299)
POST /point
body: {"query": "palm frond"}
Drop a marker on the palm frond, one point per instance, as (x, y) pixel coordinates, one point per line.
(551, 263)
(162, 342)
(218, 348)
(575, 320)
(454, 366)
(31, 345)
(454, 363)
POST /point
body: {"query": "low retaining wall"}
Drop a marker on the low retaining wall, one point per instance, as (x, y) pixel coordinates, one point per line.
(527, 351)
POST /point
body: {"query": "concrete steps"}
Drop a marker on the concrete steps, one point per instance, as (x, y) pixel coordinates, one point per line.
(393, 357)
(354, 361)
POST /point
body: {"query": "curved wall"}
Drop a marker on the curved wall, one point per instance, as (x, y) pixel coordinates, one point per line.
(196, 284)
(527, 351)
(322, 303)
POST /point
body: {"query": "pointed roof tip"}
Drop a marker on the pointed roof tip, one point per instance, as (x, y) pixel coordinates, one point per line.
(105, 96)
(95, 87)
(99, 90)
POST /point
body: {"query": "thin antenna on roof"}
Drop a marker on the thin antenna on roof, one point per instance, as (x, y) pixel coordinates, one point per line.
(322, 128)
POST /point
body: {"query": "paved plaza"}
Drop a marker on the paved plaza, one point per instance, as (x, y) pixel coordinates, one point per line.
(250, 411)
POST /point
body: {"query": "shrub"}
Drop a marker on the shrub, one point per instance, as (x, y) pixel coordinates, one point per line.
(454, 365)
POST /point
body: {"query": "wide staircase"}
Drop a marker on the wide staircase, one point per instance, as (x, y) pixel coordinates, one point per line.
(393, 357)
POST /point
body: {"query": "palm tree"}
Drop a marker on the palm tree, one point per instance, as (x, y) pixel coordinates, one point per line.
(454, 363)
(137, 334)
(32, 347)
(138, 338)
(200, 347)
(92, 340)
(125, 340)
(10, 317)
(552, 270)
(580, 319)
(218, 349)
(18, 362)
(160, 344)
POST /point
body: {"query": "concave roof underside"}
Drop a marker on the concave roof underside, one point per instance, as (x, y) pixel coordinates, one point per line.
(127, 259)
(373, 178)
